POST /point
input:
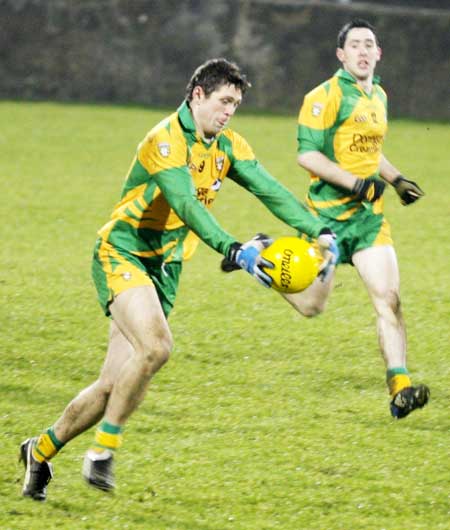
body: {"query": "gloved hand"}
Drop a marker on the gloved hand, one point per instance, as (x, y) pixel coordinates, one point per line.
(261, 240)
(407, 190)
(329, 250)
(248, 257)
(369, 189)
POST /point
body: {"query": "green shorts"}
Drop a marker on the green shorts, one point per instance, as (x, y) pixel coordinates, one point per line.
(363, 230)
(115, 270)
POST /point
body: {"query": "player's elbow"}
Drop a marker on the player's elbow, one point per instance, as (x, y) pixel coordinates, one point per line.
(304, 160)
(300, 159)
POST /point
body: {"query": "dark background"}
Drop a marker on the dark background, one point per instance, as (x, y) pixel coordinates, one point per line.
(144, 51)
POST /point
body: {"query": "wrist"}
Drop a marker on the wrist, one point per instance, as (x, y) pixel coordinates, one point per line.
(359, 186)
(397, 180)
(233, 250)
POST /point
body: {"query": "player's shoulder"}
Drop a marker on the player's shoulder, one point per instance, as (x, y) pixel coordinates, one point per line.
(325, 90)
(235, 144)
(381, 92)
(232, 136)
(231, 139)
(165, 141)
(165, 137)
(163, 130)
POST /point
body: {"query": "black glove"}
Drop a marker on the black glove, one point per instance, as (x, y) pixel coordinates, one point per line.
(227, 265)
(407, 190)
(369, 189)
(247, 256)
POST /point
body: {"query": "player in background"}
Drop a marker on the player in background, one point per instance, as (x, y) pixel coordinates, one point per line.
(341, 128)
(164, 210)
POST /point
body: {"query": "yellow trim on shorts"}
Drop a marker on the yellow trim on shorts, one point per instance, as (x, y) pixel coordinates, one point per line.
(384, 235)
(125, 274)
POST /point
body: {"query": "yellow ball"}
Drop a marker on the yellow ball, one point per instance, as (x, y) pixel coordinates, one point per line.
(296, 264)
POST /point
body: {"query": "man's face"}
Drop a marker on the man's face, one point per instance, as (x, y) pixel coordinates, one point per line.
(360, 53)
(212, 113)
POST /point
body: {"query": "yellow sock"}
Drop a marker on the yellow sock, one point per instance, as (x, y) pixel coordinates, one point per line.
(397, 379)
(47, 446)
(107, 436)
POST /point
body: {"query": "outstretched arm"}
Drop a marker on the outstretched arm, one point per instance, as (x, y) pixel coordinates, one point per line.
(251, 175)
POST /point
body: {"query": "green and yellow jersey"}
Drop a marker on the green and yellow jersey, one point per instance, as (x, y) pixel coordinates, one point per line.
(173, 182)
(339, 119)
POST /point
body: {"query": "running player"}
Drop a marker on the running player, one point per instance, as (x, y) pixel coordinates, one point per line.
(164, 210)
(341, 128)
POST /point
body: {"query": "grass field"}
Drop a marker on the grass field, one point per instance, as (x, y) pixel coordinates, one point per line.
(262, 419)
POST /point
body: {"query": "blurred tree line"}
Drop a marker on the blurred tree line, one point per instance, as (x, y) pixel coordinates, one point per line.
(144, 51)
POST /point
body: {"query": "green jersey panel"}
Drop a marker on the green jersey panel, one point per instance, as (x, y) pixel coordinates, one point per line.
(173, 182)
(169, 189)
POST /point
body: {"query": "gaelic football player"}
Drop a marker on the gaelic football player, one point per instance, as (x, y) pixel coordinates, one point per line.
(164, 210)
(341, 129)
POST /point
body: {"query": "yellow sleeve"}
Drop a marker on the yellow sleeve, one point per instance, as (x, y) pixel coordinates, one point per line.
(160, 151)
(317, 115)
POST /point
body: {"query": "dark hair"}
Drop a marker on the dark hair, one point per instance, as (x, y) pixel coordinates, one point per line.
(355, 23)
(213, 74)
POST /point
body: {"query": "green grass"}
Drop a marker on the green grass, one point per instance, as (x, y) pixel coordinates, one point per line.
(262, 419)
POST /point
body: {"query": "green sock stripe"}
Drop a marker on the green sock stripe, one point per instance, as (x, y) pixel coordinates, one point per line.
(401, 370)
(57, 443)
(45, 457)
(109, 428)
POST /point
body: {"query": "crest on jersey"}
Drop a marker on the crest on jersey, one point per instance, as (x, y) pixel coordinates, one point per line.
(164, 149)
(316, 109)
(219, 163)
(216, 185)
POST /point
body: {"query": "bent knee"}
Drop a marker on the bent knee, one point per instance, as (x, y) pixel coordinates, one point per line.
(308, 309)
(157, 353)
(389, 305)
(394, 302)
(311, 311)
(159, 356)
(104, 385)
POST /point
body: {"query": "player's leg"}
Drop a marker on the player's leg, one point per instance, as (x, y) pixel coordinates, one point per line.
(378, 269)
(81, 413)
(88, 407)
(312, 301)
(138, 314)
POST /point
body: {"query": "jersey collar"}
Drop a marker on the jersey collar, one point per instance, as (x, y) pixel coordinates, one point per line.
(185, 117)
(187, 122)
(343, 74)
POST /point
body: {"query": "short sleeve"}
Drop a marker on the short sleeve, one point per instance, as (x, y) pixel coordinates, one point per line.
(317, 114)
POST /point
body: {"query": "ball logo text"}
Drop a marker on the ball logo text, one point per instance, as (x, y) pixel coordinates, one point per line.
(286, 276)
